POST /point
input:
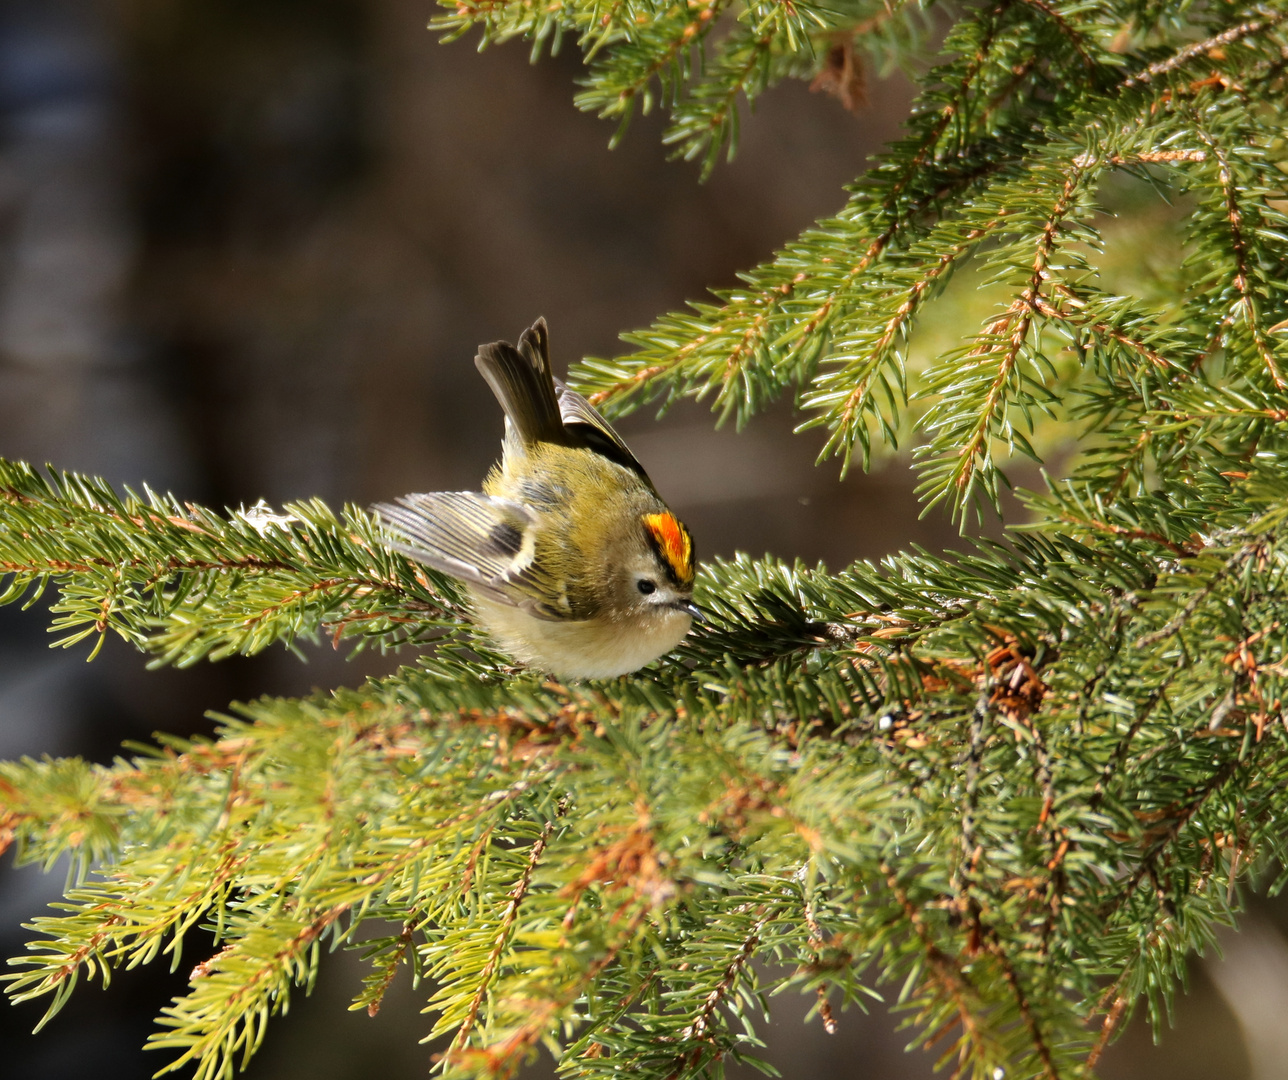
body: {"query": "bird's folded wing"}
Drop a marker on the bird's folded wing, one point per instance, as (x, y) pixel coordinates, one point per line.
(581, 417)
(483, 540)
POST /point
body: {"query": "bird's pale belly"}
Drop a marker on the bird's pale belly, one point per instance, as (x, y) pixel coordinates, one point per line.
(587, 649)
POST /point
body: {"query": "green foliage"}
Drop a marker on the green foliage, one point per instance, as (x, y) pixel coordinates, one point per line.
(1010, 791)
(697, 57)
(1006, 152)
(187, 584)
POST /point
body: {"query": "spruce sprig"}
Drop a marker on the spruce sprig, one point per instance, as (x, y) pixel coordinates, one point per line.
(185, 583)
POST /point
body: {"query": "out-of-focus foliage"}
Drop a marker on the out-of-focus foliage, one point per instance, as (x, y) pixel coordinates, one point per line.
(1011, 791)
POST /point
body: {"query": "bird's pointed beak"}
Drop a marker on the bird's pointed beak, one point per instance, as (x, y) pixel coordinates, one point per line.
(690, 608)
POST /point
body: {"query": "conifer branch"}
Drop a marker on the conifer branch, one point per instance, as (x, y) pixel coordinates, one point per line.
(1239, 252)
(517, 895)
(952, 983)
(1204, 48)
(1014, 784)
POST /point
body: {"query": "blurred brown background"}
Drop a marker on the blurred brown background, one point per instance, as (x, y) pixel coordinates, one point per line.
(247, 250)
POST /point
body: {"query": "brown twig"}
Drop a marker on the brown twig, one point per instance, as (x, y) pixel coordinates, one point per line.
(1201, 48)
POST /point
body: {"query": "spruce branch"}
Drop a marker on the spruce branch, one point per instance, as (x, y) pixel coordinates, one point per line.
(1247, 302)
(1010, 790)
(1208, 48)
(463, 803)
(185, 583)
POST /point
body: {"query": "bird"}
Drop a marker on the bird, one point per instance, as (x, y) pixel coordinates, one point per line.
(573, 563)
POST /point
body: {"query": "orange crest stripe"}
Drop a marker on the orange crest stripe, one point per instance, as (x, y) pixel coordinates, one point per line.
(674, 544)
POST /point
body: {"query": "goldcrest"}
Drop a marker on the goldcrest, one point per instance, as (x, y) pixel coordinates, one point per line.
(572, 560)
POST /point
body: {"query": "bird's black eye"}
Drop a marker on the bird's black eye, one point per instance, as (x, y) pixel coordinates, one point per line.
(646, 586)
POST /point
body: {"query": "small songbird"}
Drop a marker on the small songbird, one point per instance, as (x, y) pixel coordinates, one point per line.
(573, 562)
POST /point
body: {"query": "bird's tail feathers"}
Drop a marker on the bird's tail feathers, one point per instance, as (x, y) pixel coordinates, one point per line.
(523, 383)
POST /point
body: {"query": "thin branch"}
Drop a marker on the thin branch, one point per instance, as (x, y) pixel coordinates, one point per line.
(948, 972)
(1181, 551)
(1181, 617)
(1112, 1019)
(1026, 1013)
(963, 875)
(909, 308)
(502, 939)
(1045, 307)
(699, 1027)
(1239, 249)
(1204, 48)
(1076, 39)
